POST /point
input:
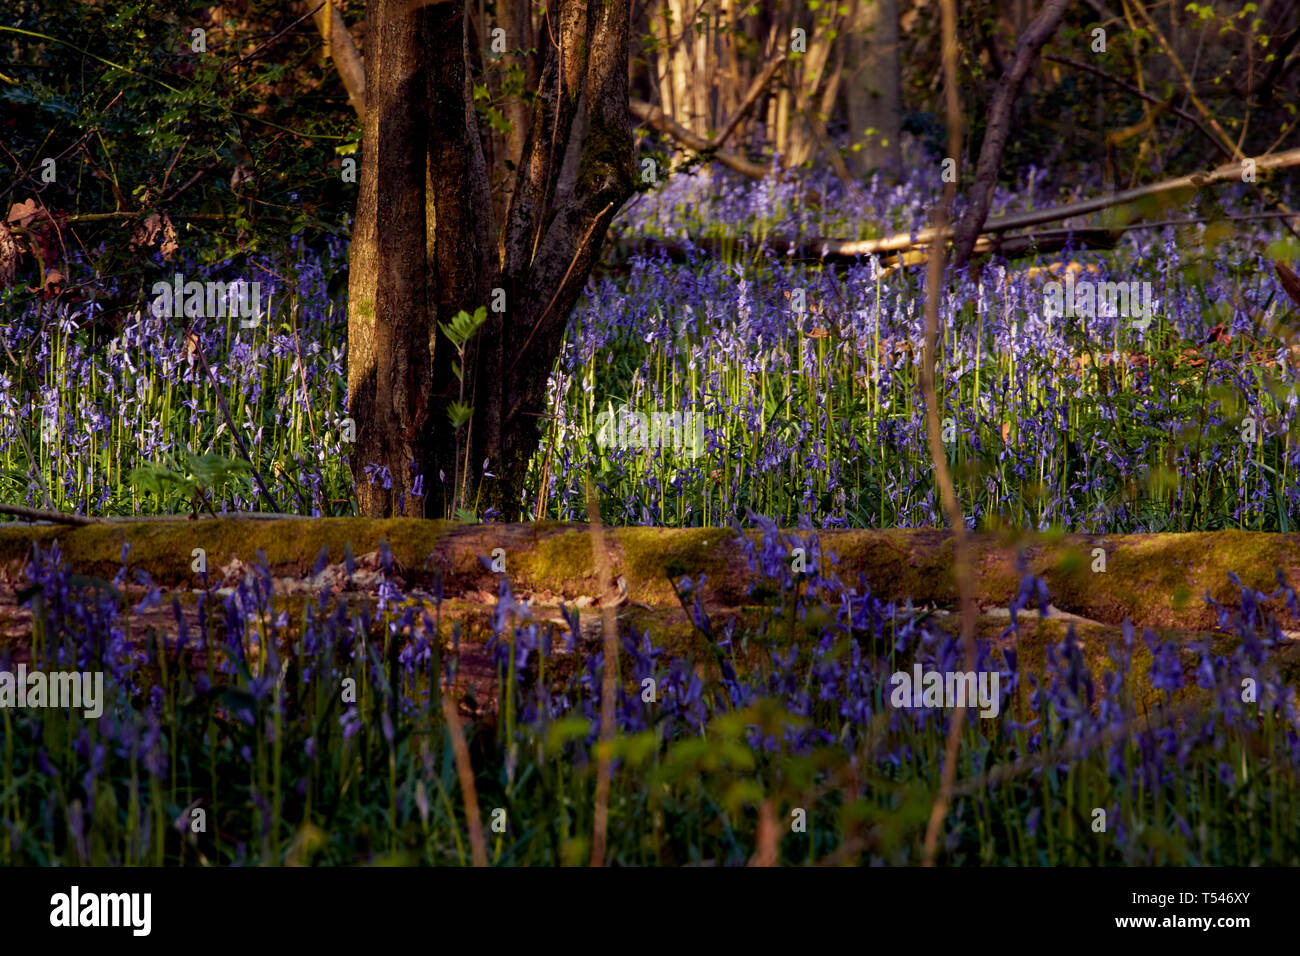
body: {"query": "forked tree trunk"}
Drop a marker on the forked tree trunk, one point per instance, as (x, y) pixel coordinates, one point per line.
(426, 246)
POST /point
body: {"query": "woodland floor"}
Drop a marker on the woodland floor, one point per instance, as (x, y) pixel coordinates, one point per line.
(1157, 581)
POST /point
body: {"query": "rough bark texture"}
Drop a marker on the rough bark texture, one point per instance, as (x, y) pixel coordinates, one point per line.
(426, 246)
(389, 368)
(873, 92)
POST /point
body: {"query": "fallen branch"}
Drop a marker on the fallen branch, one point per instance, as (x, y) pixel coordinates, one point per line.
(1230, 172)
(751, 97)
(1144, 572)
(656, 119)
(838, 251)
(41, 514)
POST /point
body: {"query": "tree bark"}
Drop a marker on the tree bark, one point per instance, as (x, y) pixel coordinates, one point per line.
(426, 246)
(873, 92)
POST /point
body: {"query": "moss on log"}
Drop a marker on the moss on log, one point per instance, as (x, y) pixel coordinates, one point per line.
(1157, 580)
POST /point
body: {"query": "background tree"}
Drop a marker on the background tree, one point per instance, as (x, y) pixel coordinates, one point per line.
(872, 93)
(233, 156)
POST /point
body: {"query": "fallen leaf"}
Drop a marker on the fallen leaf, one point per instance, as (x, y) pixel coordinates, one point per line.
(156, 228)
(9, 256)
(39, 225)
(26, 213)
(1290, 281)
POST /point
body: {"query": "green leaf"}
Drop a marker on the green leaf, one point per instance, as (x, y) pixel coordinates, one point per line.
(463, 326)
(564, 730)
(459, 413)
(156, 479)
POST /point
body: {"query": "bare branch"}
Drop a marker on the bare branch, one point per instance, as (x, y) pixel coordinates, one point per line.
(999, 126)
(655, 118)
(755, 91)
(963, 560)
(1159, 103)
(340, 48)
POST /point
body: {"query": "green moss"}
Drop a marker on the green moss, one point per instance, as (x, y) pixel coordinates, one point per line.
(673, 632)
(653, 556)
(1160, 579)
(580, 52)
(560, 562)
(605, 168)
(1155, 580)
(896, 563)
(165, 548)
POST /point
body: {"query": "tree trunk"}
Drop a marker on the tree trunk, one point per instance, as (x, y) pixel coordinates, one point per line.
(874, 97)
(425, 247)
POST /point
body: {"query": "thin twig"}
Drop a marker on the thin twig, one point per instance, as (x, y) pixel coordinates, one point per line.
(964, 567)
(1141, 94)
(560, 288)
(248, 56)
(172, 165)
(605, 747)
(465, 771)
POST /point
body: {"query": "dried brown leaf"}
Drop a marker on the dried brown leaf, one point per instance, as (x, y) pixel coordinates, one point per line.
(9, 256)
(1290, 281)
(31, 216)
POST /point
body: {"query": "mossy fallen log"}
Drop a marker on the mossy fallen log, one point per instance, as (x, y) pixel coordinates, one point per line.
(1156, 580)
